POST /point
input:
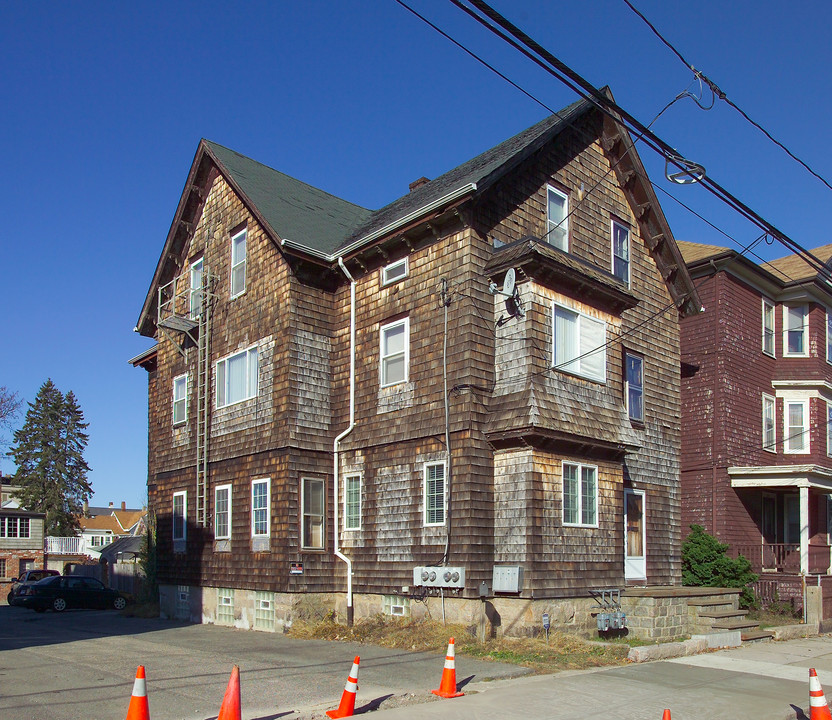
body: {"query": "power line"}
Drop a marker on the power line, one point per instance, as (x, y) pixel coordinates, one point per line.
(719, 93)
(555, 67)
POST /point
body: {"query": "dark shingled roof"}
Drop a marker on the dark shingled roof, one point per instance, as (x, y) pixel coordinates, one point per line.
(294, 210)
(322, 222)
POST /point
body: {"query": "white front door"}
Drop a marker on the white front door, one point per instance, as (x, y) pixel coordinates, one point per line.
(635, 546)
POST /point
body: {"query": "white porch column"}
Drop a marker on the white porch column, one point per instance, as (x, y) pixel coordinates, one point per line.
(804, 530)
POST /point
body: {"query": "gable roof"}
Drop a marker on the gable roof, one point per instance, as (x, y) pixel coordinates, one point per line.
(793, 268)
(692, 252)
(293, 210)
(101, 522)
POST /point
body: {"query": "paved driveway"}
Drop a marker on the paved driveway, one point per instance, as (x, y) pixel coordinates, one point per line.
(80, 665)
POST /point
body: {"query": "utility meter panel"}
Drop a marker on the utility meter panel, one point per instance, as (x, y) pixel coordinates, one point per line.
(439, 577)
(507, 579)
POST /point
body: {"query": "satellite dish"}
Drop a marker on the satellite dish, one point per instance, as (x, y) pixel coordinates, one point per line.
(508, 283)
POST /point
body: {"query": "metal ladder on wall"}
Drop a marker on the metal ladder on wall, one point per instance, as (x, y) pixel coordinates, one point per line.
(203, 401)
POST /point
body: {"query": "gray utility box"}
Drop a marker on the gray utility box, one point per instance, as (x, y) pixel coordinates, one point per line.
(507, 579)
(439, 576)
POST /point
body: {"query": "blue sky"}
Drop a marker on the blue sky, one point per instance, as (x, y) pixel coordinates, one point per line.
(105, 103)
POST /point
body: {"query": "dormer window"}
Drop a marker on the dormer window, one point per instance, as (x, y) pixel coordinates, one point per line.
(394, 272)
(557, 212)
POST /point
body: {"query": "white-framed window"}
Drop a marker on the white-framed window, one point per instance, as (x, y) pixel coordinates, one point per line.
(180, 399)
(264, 610)
(352, 502)
(260, 507)
(768, 327)
(225, 606)
(557, 218)
(222, 512)
(829, 429)
(394, 352)
(621, 251)
(238, 263)
(395, 271)
(180, 515)
(796, 426)
(434, 493)
(196, 288)
(829, 336)
(580, 494)
(237, 377)
(769, 424)
(312, 513)
(795, 330)
(634, 386)
(14, 527)
(579, 344)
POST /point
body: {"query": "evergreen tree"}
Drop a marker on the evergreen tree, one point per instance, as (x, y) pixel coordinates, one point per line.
(49, 453)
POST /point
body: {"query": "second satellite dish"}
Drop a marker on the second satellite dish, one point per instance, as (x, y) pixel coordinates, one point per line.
(509, 283)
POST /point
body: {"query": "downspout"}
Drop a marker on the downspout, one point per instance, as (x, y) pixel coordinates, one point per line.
(336, 443)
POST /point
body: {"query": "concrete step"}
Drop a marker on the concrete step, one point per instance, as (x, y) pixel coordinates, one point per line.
(709, 601)
(723, 613)
(734, 624)
(757, 636)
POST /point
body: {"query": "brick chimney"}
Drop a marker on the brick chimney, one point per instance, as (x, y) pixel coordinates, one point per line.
(123, 505)
(111, 503)
(418, 183)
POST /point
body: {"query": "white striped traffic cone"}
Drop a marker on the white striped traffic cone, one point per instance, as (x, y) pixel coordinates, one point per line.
(447, 686)
(818, 707)
(138, 708)
(347, 706)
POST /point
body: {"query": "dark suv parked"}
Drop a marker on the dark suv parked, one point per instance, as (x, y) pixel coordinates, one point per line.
(27, 578)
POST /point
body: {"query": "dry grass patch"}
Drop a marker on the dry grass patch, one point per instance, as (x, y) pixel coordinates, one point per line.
(563, 652)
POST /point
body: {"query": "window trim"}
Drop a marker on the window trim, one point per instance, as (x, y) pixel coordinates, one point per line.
(385, 272)
(244, 262)
(564, 366)
(347, 478)
(580, 467)
(640, 358)
(768, 333)
(303, 513)
(786, 331)
(829, 429)
(563, 223)
(227, 535)
(268, 483)
(404, 322)
(253, 349)
(772, 446)
(184, 495)
(183, 400)
(194, 292)
(425, 466)
(829, 336)
(806, 430)
(624, 226)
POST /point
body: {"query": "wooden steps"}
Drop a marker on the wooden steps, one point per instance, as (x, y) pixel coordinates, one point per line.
(721, 614)
(741, 625)
(757, 635)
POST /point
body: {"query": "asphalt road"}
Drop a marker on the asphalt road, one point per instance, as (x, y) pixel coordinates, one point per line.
(80, 665)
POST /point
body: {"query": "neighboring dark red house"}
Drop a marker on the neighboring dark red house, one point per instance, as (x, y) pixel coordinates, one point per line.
(757, 415)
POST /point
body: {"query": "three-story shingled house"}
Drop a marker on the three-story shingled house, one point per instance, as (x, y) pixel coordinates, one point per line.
(363, 407)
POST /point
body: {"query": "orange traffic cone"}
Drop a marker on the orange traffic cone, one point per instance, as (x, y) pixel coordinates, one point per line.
(230, 709)
(139, 709)
(347, 706)
(818, 707)
(447, 686)
(666, 714)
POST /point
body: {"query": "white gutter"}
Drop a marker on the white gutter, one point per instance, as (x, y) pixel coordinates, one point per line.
(337, 442)
(450, 197)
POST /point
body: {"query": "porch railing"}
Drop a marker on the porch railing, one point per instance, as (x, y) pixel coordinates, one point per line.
(65, 545)
(785, 557)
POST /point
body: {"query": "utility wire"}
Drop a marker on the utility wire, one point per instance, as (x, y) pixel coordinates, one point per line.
(555, 67)
(719, 93)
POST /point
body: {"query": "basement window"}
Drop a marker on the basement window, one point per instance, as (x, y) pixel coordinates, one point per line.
(225, 606)
(264, 610)
(396, 606)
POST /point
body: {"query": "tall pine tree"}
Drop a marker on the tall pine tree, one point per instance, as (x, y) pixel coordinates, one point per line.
(49, 453)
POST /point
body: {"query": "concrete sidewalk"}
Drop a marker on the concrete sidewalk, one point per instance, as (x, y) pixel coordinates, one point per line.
(760, 682)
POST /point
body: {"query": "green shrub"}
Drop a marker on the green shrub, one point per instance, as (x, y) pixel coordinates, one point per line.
(705, 564)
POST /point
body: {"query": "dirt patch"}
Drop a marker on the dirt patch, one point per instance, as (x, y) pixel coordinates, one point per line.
(562, 652)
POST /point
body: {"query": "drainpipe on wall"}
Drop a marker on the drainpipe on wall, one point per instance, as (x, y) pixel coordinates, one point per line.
(337, 442)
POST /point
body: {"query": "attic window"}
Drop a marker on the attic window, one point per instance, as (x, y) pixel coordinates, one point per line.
(394, 272)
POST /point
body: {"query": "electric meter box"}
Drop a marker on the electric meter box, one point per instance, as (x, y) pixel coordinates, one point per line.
(439, 576)
(507, 579)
